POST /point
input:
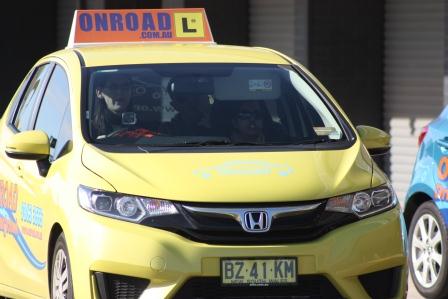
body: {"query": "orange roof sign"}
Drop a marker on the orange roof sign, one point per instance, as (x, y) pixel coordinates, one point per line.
(139, 25)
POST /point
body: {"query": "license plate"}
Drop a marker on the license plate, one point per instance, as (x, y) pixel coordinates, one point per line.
(259, 272)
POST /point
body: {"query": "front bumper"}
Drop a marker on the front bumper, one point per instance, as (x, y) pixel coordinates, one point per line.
(168, 261)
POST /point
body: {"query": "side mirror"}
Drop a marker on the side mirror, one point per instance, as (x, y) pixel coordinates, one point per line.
(376, 141)
(28, 145)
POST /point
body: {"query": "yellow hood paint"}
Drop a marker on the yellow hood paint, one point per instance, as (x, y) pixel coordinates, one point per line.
(234, 176)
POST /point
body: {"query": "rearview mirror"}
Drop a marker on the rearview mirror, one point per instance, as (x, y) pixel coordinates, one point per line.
(375, 140)
(28, 145)
(190, 85)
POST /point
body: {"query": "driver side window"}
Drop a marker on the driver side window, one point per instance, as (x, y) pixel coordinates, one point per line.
(54, 113)
(23, 117)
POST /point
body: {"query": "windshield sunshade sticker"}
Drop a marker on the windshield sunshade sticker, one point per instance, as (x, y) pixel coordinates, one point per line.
(260, 85)
(244, 167)
(139, 25)
(9, 225)
(324, 131)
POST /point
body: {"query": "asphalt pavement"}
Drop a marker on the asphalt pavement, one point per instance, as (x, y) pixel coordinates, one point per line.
(412, 292)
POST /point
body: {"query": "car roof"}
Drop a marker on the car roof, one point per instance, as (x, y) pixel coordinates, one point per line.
(140, 53)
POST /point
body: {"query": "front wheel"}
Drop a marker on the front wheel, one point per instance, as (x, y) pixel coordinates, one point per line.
(428, 251)
(61, 275)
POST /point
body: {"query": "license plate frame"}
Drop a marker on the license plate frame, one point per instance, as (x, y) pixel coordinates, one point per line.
(248, 262)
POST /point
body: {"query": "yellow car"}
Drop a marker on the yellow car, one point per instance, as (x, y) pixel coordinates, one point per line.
(190, 170)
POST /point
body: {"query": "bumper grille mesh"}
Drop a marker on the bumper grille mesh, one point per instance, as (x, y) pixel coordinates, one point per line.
(308, 287)
(111, 286)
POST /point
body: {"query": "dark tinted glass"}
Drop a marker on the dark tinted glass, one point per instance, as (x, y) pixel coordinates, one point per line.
(206, 105)
(22, 120)
(54, 107)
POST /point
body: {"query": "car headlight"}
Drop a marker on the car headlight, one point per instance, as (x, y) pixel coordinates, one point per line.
(364, 203)
(123, 206)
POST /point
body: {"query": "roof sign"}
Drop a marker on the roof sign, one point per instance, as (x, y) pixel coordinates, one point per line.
(139, 25)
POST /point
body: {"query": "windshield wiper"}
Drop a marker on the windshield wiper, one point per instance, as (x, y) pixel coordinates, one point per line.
(228, 142)
(247, 143)
(206, 142)
(213, 142)
(314, 141)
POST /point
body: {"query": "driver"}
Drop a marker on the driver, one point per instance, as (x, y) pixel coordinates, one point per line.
(113, 95)
(248, 123)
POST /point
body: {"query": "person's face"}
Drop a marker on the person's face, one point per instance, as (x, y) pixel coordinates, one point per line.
(116, 93)
(248, 121)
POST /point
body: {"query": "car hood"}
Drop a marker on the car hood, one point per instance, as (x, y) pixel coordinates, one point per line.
(234, 176)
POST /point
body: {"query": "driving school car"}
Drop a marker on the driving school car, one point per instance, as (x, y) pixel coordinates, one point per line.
(229, 172)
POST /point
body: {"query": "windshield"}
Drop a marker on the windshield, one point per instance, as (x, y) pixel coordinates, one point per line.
(205, 105)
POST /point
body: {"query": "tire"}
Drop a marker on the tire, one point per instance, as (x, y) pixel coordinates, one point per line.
(61, 285)
(427, 253)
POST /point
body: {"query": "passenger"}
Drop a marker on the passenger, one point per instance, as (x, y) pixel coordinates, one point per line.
(113, 98)
(248, 123)
(192, 118)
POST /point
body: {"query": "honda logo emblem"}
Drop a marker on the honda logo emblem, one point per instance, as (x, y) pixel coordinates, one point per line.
(256, 221)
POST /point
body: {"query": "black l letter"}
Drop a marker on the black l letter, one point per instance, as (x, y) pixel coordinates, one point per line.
(185, 26)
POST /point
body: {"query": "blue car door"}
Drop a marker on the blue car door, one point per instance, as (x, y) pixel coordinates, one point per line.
(439, 142)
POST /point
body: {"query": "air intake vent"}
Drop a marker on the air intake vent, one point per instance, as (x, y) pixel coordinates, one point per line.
(382, 284)
(111, 286)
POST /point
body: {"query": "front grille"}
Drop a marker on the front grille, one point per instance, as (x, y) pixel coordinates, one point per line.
(388, 279)
(215, 229)
(112, 286)
(308, 287)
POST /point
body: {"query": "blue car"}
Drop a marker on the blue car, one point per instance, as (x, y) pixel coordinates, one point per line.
(426, 211)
